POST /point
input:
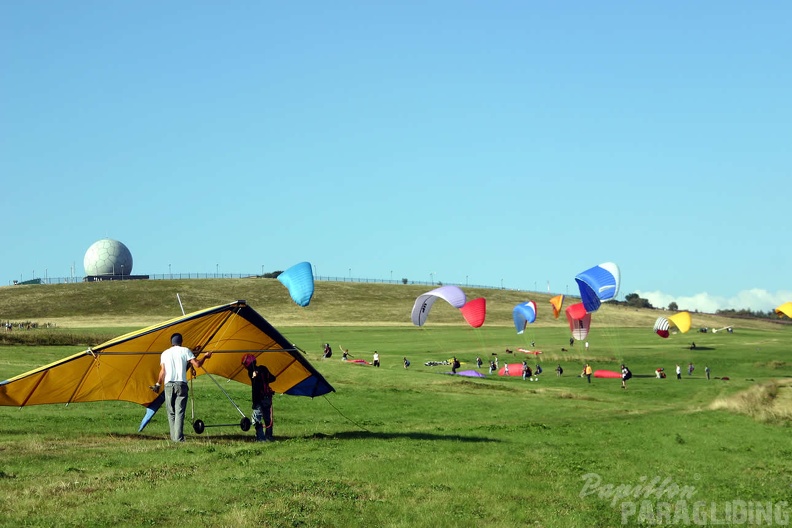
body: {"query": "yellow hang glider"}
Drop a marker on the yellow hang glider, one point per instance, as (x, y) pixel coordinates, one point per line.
(124, 368)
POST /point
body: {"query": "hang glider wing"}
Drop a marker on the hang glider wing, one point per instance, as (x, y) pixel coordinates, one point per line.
(125, 367)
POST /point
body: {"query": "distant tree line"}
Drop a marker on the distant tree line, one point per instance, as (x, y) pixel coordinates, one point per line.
(636, 301)
(744, 313)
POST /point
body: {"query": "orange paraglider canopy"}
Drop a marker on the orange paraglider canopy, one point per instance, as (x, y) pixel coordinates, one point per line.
(557, 302)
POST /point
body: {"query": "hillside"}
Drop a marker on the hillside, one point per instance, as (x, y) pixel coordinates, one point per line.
(140, 303)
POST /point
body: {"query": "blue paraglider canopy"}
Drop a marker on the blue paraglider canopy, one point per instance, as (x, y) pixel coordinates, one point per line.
(300, 282)
(598, 284)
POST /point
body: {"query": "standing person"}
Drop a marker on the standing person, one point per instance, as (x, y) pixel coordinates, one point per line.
(376, 358)
(707, 371)
(454, 365)
(626, 374)
(525, 369)
(587, 347)
(587, 372)
(406, 362)
(173, 375)
(678, 371)
(571, 341)
(260, 379)
(559, 370)
(491, 366)
(478, 362)
(690, 368)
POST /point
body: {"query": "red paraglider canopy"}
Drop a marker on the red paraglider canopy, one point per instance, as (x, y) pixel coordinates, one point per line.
(475, 312)
(579, 321)
(606, 374)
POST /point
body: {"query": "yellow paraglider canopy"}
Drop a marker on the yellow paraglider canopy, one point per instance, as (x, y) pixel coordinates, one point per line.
(784, 309)
(681, 320)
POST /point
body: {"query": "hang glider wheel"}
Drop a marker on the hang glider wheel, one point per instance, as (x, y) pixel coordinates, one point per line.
(244, 424)
(199, 426)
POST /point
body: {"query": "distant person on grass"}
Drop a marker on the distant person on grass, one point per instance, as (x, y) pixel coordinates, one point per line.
(587, 372)
(625, 375)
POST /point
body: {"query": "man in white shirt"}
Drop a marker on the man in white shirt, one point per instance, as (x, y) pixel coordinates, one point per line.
(173, 375)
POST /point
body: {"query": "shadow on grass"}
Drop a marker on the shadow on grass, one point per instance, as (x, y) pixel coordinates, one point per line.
(357, 435)
(343, 435)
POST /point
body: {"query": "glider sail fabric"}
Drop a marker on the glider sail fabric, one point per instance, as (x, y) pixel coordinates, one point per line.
(579, 321)
(299, 281)
(784, 309)
(475, 312)
(557, 302)
(124, 368)
(661, 327)
(453, 295)
(681, 320)
(598, 284)
(523, 314)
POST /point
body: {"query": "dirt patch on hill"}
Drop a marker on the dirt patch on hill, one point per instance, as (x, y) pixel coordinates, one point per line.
(765, 402)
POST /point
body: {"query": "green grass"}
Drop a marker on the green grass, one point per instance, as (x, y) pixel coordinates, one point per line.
(396, 447)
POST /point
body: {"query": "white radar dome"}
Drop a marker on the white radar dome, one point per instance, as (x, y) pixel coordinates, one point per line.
(108, 257)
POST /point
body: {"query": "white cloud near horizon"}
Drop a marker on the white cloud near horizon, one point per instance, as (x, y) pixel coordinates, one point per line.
(755, 299)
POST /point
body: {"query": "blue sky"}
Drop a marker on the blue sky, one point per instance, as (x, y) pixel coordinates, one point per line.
(511, 142)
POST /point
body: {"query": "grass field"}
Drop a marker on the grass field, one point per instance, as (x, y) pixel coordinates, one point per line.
(409, 447)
